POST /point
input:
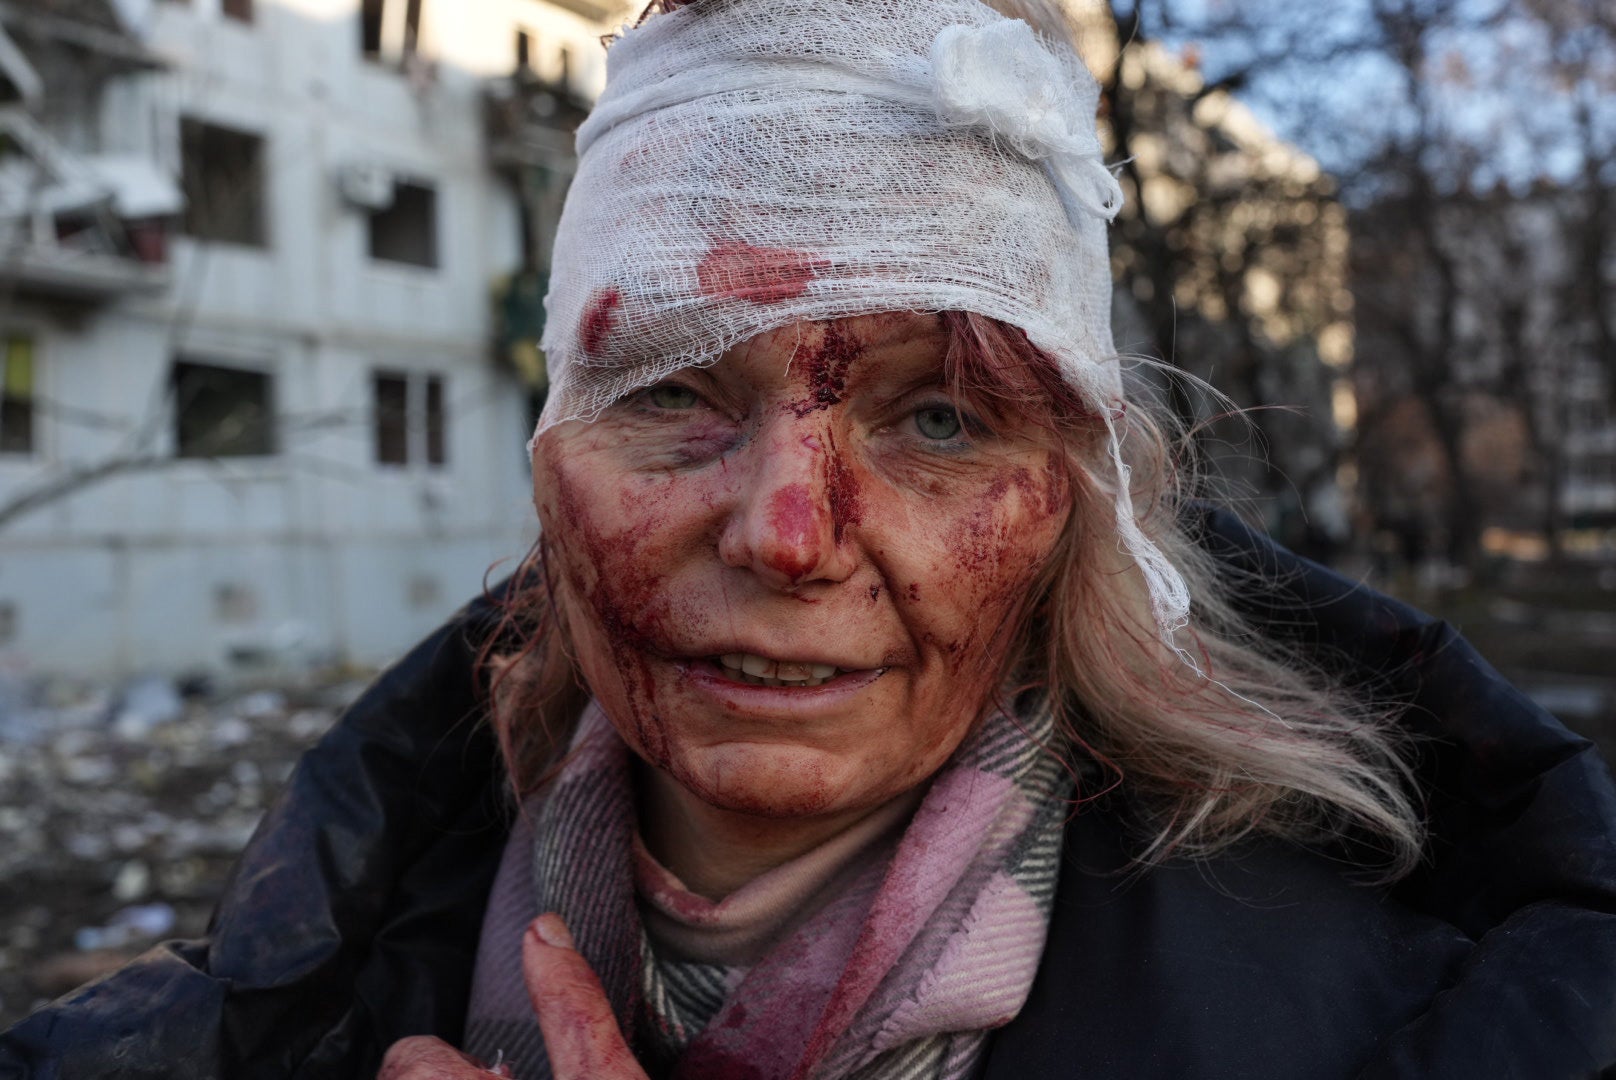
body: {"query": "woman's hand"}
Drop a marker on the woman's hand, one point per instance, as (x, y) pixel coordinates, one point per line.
(423, 1057)
(580, 1031)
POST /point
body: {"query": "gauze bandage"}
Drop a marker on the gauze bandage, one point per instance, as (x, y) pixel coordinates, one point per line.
(753, 163)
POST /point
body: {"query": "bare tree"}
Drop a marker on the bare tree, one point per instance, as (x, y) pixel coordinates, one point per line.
(1446, 121)
(1232, 266)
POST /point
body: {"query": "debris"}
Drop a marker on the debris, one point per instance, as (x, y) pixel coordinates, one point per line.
(262, 703)
(133, 881)
(140, 924)
(231, 731)
(122, 812)
(145, 703)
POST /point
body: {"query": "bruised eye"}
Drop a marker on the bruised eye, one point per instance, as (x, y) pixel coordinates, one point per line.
(672, 396)
(938, 423)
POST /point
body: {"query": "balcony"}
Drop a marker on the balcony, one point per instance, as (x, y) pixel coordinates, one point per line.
(80, 228)
(530, 122)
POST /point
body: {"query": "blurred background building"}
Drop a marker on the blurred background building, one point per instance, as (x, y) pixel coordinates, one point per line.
(270, 272)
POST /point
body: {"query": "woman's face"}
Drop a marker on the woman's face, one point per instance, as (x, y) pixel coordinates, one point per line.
(813, 511)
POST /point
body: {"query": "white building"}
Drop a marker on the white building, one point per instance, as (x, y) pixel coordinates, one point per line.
(249, 252)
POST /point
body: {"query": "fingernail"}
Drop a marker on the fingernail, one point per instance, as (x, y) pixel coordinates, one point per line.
(553, 932)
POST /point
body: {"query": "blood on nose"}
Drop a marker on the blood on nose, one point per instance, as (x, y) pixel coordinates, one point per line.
(795, 532)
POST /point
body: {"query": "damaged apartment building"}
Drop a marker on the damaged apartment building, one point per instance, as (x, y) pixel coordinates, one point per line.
(270, 272)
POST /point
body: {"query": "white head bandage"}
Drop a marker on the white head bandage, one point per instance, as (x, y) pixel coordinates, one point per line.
(754, 163)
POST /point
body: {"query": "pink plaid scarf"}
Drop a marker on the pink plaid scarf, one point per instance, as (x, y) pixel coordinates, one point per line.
(902, 975)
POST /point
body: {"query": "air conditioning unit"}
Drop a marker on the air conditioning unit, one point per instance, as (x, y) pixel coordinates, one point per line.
(369, 187)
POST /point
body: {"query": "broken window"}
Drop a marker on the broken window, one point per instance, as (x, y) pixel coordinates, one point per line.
(224, 183)
(222, 412)
(411, 419)
(412, 25)
(370, 29)
(16, 394)
(407, 230)
(392, 420)
(373, 27)
(437, 451)
(238, 9)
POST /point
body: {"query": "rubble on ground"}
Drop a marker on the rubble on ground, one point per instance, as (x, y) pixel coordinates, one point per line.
(122, 810)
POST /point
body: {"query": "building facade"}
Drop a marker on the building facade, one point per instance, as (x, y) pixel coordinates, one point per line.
(256, 261)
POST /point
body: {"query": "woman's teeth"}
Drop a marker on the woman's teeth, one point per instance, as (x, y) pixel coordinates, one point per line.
(761, 671)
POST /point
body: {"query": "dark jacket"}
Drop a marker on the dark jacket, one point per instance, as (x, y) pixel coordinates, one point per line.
(352, 918)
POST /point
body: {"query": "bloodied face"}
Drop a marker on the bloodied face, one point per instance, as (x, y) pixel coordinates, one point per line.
(791, 578)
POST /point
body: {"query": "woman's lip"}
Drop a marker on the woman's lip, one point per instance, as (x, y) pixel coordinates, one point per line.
(707, 675)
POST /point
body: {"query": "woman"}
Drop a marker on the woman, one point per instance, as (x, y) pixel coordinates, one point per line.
(861, 720)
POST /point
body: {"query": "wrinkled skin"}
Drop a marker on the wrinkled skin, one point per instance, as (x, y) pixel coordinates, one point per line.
(813, 496)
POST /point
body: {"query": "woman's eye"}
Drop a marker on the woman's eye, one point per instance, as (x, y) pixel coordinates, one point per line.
(938, 423)
(672, 396)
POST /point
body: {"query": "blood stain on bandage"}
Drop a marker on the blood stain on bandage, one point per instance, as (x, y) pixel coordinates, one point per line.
(734, 269)
(598, 317)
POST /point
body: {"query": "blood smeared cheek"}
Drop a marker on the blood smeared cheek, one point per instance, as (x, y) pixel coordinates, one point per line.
(618, 541)
(844, 493)
(986, 545)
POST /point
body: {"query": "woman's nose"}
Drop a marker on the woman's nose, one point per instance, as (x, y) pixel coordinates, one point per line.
(783, 526)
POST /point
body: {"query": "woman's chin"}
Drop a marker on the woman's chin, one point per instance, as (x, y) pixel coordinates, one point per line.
(773, 781)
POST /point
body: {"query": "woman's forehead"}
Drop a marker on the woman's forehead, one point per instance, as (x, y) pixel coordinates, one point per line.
(900, 342)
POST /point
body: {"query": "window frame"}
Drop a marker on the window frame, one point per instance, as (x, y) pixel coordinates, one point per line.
(271, 433)
(402, 186)
(426, 420)
(366, 9)
(258, 234)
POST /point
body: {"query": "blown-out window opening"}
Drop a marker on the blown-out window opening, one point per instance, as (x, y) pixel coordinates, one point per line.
(389, 29)
(222, 411)
(223, 174)
(406, 230)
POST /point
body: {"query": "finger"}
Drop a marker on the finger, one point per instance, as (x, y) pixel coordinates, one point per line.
(580, 1032)
(422, 1057)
